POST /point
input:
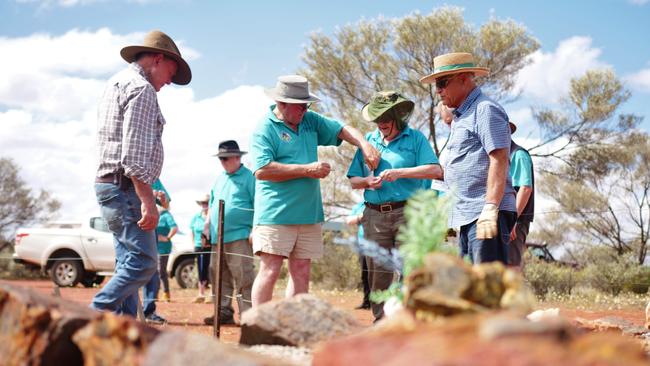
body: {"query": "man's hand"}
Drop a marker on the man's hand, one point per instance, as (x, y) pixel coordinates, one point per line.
(149, 219)
(513, 233)
(486, 226)
(390, 175)
(370, 155)
(318, 170)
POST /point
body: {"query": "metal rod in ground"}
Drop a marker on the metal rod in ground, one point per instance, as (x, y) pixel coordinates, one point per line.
(56, 291)
(216, 286)
(140, 310)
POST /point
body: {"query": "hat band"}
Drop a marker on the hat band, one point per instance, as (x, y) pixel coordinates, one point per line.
(453, 67)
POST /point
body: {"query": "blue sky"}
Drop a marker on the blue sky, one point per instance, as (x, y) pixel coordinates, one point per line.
(59, 53)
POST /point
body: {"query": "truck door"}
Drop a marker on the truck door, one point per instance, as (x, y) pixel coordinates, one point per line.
(98, 243)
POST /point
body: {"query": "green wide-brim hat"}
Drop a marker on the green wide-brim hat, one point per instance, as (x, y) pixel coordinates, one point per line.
(381, 102)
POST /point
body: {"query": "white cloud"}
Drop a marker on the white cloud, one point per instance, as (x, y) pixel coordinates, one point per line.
(639, 80)
(48, 123)
(547, 78)
(62, 76)
(638, 2)
(72, 3)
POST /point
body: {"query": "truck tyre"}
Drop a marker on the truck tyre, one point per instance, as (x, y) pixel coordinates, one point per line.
(66, 272)
(186, 273)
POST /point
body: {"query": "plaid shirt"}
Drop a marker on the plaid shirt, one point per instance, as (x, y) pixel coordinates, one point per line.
(480, 126)
(130, 127)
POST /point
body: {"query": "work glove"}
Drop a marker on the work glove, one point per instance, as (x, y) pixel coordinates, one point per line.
(486, 226)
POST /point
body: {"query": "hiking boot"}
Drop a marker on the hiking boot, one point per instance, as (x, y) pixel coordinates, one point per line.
(225, 320)
(155, 319)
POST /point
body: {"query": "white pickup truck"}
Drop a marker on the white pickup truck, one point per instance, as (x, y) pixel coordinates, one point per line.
(73, 252)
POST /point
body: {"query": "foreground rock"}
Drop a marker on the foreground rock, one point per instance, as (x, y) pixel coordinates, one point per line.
(36, 329)
(300, 321)
(479, 339)
(184, 348)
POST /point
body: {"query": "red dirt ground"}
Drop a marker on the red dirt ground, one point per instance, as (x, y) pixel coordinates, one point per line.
(182, 314)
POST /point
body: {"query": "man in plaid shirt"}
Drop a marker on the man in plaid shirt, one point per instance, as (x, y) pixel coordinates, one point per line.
(130, 126)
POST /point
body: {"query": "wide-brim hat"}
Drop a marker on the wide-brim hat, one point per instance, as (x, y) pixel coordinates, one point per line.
(381, 102)
(513, 127)
(158, 42)
(203, 198)
(229, 148)
(292, 89)
(454, 63)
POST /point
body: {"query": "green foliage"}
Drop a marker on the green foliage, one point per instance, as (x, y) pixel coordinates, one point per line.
(545, 278)
(11, 271)
(425, 229)
(338, 268)
(613, 276)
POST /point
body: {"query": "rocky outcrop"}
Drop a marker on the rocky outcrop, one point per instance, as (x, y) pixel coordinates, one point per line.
(301, 320)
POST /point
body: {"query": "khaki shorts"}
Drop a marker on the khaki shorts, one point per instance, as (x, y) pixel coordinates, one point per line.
(290, 241)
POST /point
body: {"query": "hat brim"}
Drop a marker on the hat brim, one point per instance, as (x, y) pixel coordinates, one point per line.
(229, 154)
(478, 71)
(183, 74)
(366, 116)
(278, 98)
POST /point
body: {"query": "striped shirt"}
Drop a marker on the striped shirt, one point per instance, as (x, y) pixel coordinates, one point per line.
(130, 126)
(480, 126)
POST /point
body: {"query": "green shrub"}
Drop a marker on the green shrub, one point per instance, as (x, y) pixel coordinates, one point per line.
(543, 277)
(10, 270)
(611, 276)
(338, 269)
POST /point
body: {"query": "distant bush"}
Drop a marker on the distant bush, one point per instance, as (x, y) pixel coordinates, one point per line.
(612, 275)
(339, 268)
(11, 271)
(545, 277)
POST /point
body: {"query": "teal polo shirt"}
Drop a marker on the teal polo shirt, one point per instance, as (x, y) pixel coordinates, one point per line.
(165, 224)
(237, 190)
(295, 201)
(409, 149)
(196, 225)
(158, 186)
(521, 169)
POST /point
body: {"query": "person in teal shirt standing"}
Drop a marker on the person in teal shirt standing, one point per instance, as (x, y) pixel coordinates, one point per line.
(288, 204)
(236, 187)
(407, 159)
(523, 181)
(203, 252)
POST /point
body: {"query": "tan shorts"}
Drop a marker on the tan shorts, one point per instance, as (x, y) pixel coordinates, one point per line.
(290, 241)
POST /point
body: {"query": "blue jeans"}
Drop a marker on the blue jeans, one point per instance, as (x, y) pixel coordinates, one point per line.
(490, 250)
(136, 254)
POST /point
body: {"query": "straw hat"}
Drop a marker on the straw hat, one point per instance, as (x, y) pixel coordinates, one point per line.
(158, 42)
(292, 89)
(229, 148)
(203, 198)
(453, 63)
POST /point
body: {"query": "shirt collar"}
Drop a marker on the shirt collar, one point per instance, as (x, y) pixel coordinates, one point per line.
(471, 97)
(376, 135)
(138, 69)
(236, 172)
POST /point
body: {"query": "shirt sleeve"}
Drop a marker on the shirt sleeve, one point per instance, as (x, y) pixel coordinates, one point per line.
(424, 154)
(328, 129)
(357, 166)
(141, 130)
(492, 127)
(521, 169)
(262, 149)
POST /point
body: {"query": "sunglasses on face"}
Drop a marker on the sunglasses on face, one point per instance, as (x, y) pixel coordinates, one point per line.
(443, 82)
(300, 106)
(224, 158)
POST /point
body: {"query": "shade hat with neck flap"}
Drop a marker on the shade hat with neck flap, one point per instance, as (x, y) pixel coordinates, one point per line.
(292, 89)
(388, 104)
(453, 63)
(158, 42)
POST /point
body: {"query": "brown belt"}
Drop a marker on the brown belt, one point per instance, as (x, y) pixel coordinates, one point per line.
(121, 180)
(108, 178)
(386, 206)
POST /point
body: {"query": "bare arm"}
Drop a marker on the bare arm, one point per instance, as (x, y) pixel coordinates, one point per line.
(523, 195)
(149, 219)
(497, 172)
(428, 171)
(278, 172)
(354, 137)
(365, 182)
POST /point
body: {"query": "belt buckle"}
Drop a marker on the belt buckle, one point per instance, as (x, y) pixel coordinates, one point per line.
(388, 208)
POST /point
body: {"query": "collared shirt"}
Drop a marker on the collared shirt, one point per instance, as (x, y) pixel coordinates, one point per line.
(238, 192)
(130, 126)
(409, 149)
(165, 224)
(294, 201)
(196, 225)
(480, 126)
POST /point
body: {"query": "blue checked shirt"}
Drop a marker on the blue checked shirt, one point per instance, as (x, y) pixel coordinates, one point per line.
(130, 126)
(480, 126)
